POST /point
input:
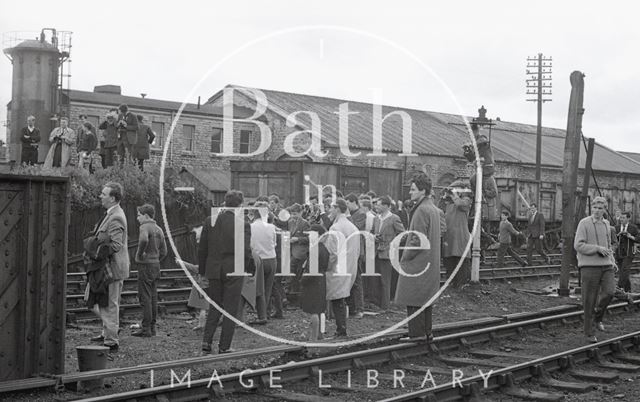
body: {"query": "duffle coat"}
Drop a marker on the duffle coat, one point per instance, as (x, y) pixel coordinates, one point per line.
(417, 290)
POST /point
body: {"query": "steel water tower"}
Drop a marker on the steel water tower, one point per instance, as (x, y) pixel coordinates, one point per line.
(36, 84)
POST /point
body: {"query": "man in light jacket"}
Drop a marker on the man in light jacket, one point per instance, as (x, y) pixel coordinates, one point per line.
(596, 264)
(112, 237)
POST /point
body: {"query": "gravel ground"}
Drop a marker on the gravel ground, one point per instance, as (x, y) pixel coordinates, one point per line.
(177, 340)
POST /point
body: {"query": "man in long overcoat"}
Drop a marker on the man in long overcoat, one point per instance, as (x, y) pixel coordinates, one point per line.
(62, 139)
(456, 238)
(420, 276)
(145, 138)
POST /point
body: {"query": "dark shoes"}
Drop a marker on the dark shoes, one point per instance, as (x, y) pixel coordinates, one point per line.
(258, 322)
(223, 351)
(277, 316)
(142, 333)
(98, 338)
(113, 348)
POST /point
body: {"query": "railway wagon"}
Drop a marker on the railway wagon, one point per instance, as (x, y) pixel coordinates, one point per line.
(289, 178)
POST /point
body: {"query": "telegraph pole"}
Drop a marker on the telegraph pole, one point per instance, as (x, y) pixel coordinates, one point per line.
(539, 85)
(570, 179)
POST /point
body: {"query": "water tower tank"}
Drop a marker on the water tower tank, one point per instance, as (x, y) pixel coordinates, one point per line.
(34, 92)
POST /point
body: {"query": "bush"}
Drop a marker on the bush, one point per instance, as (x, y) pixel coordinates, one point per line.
(139, 187)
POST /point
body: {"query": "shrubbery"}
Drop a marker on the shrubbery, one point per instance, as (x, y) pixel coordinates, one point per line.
(139, 187)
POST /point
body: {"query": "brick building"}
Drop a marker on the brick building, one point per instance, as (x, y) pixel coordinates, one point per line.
(437, 139)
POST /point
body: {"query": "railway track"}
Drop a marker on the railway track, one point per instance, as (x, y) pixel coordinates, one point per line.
(174, 287)
(439, 329)
(452, 356)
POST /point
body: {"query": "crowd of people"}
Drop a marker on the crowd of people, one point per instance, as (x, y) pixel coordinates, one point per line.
(327, 257)
(122, 136)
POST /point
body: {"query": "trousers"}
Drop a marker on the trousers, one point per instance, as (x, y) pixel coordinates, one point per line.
(504, 249)
(340, 313)
(598, 286)
(537, 243)
(625, 267)
(269, 270)
(422, 324)
(384, 268)
(226, 293)
(148, 275)
(110, 315)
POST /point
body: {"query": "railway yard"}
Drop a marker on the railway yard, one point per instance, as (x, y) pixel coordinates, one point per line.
(511, 325)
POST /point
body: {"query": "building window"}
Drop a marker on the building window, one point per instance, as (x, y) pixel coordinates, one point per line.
(158, 129)
(188, 133)
(244, 141)
(216, 140)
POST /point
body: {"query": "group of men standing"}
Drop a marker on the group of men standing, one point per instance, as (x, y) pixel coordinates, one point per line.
(123, 134)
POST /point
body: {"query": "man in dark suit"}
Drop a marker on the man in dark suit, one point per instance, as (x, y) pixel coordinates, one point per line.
(111, 234)
(536, 234)
(386, 227)
(127, 133)
(216, 260)
(30, 140)
(627, 237)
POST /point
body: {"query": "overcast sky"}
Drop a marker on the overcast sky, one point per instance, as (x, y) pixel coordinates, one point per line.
(451, 57)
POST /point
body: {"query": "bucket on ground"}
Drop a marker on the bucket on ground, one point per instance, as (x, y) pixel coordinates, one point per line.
(92, 358)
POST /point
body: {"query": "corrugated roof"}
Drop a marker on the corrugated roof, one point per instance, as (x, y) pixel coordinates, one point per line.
(439, 133)
(632, 155)
(213, 179)
(138, 102)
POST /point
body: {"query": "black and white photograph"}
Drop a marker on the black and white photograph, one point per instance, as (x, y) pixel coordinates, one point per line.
(319, 201)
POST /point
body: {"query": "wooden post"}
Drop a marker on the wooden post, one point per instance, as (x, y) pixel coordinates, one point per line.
(582, 206)
(570, 179)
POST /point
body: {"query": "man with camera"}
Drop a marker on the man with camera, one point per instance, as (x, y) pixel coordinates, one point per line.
(62, 139)
(627, 237)
(595, 261)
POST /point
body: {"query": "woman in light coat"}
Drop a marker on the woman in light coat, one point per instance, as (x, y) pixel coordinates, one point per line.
(62, 139)
(340, 277)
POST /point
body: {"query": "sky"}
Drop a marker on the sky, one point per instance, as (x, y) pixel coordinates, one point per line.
(434, 56)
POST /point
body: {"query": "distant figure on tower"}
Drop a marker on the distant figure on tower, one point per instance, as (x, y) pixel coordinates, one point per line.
(30, 140)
